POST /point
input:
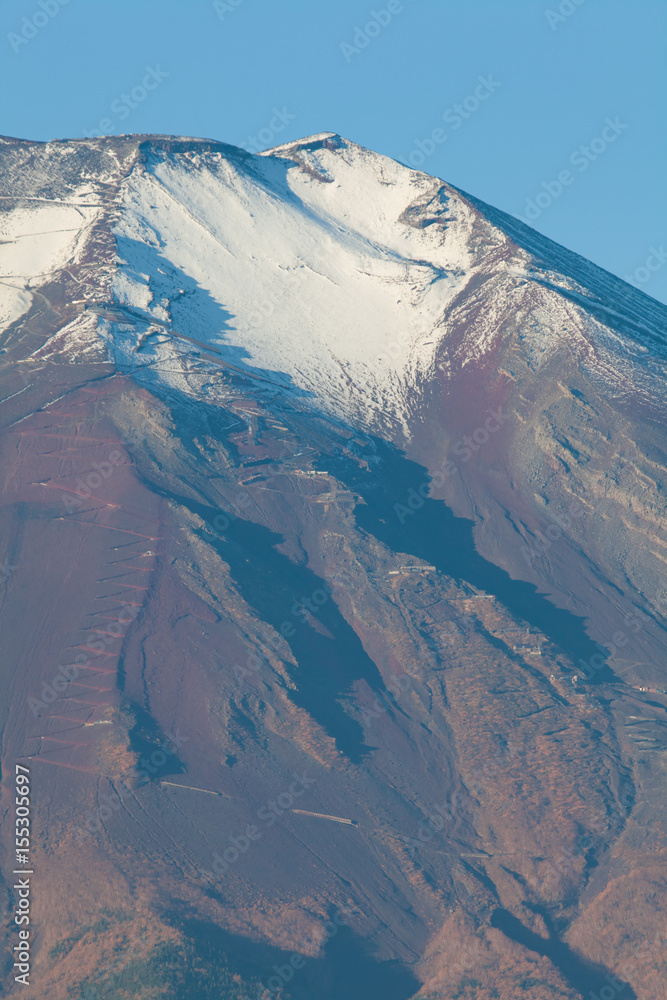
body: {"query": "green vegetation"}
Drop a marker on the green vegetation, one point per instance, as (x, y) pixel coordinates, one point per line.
(170, 972)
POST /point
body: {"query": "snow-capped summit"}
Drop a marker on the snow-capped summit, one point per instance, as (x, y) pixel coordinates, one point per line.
(318, 265)
(336, 472)
(323, 265)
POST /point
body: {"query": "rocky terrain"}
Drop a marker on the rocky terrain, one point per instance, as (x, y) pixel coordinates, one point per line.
(333, 602)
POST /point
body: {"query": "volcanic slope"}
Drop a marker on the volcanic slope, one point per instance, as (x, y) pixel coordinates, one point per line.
(339, 497)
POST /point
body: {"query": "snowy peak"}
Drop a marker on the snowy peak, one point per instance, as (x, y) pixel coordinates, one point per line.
(305, 263)
(328, 270)
(322, 140)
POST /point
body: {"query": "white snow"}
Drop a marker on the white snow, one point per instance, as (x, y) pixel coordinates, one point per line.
(318, 284)
(324, 271)
(78, 340)
(14, 302)
(37, 238)
(320, 269)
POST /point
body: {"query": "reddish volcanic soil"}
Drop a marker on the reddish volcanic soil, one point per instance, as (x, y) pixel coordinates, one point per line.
(292, 697)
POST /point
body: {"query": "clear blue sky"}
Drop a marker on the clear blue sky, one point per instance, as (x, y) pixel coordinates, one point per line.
(220, 69)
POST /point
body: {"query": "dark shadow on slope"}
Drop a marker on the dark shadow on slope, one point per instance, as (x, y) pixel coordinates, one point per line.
(280, 592)
(346, 969)
(429, 530)
(156, 752)
(585, 977)
(198, 321)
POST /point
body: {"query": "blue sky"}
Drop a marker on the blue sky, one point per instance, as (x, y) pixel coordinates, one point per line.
(561, 105)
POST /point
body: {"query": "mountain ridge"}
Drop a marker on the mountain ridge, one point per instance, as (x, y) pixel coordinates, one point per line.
(218, 415)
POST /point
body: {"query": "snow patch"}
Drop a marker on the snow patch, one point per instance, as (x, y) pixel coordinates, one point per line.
(320, 285)
(14, 303)
(38, 238)
(77, 341)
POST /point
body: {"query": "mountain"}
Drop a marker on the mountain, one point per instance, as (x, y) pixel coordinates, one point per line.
(332, 583)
